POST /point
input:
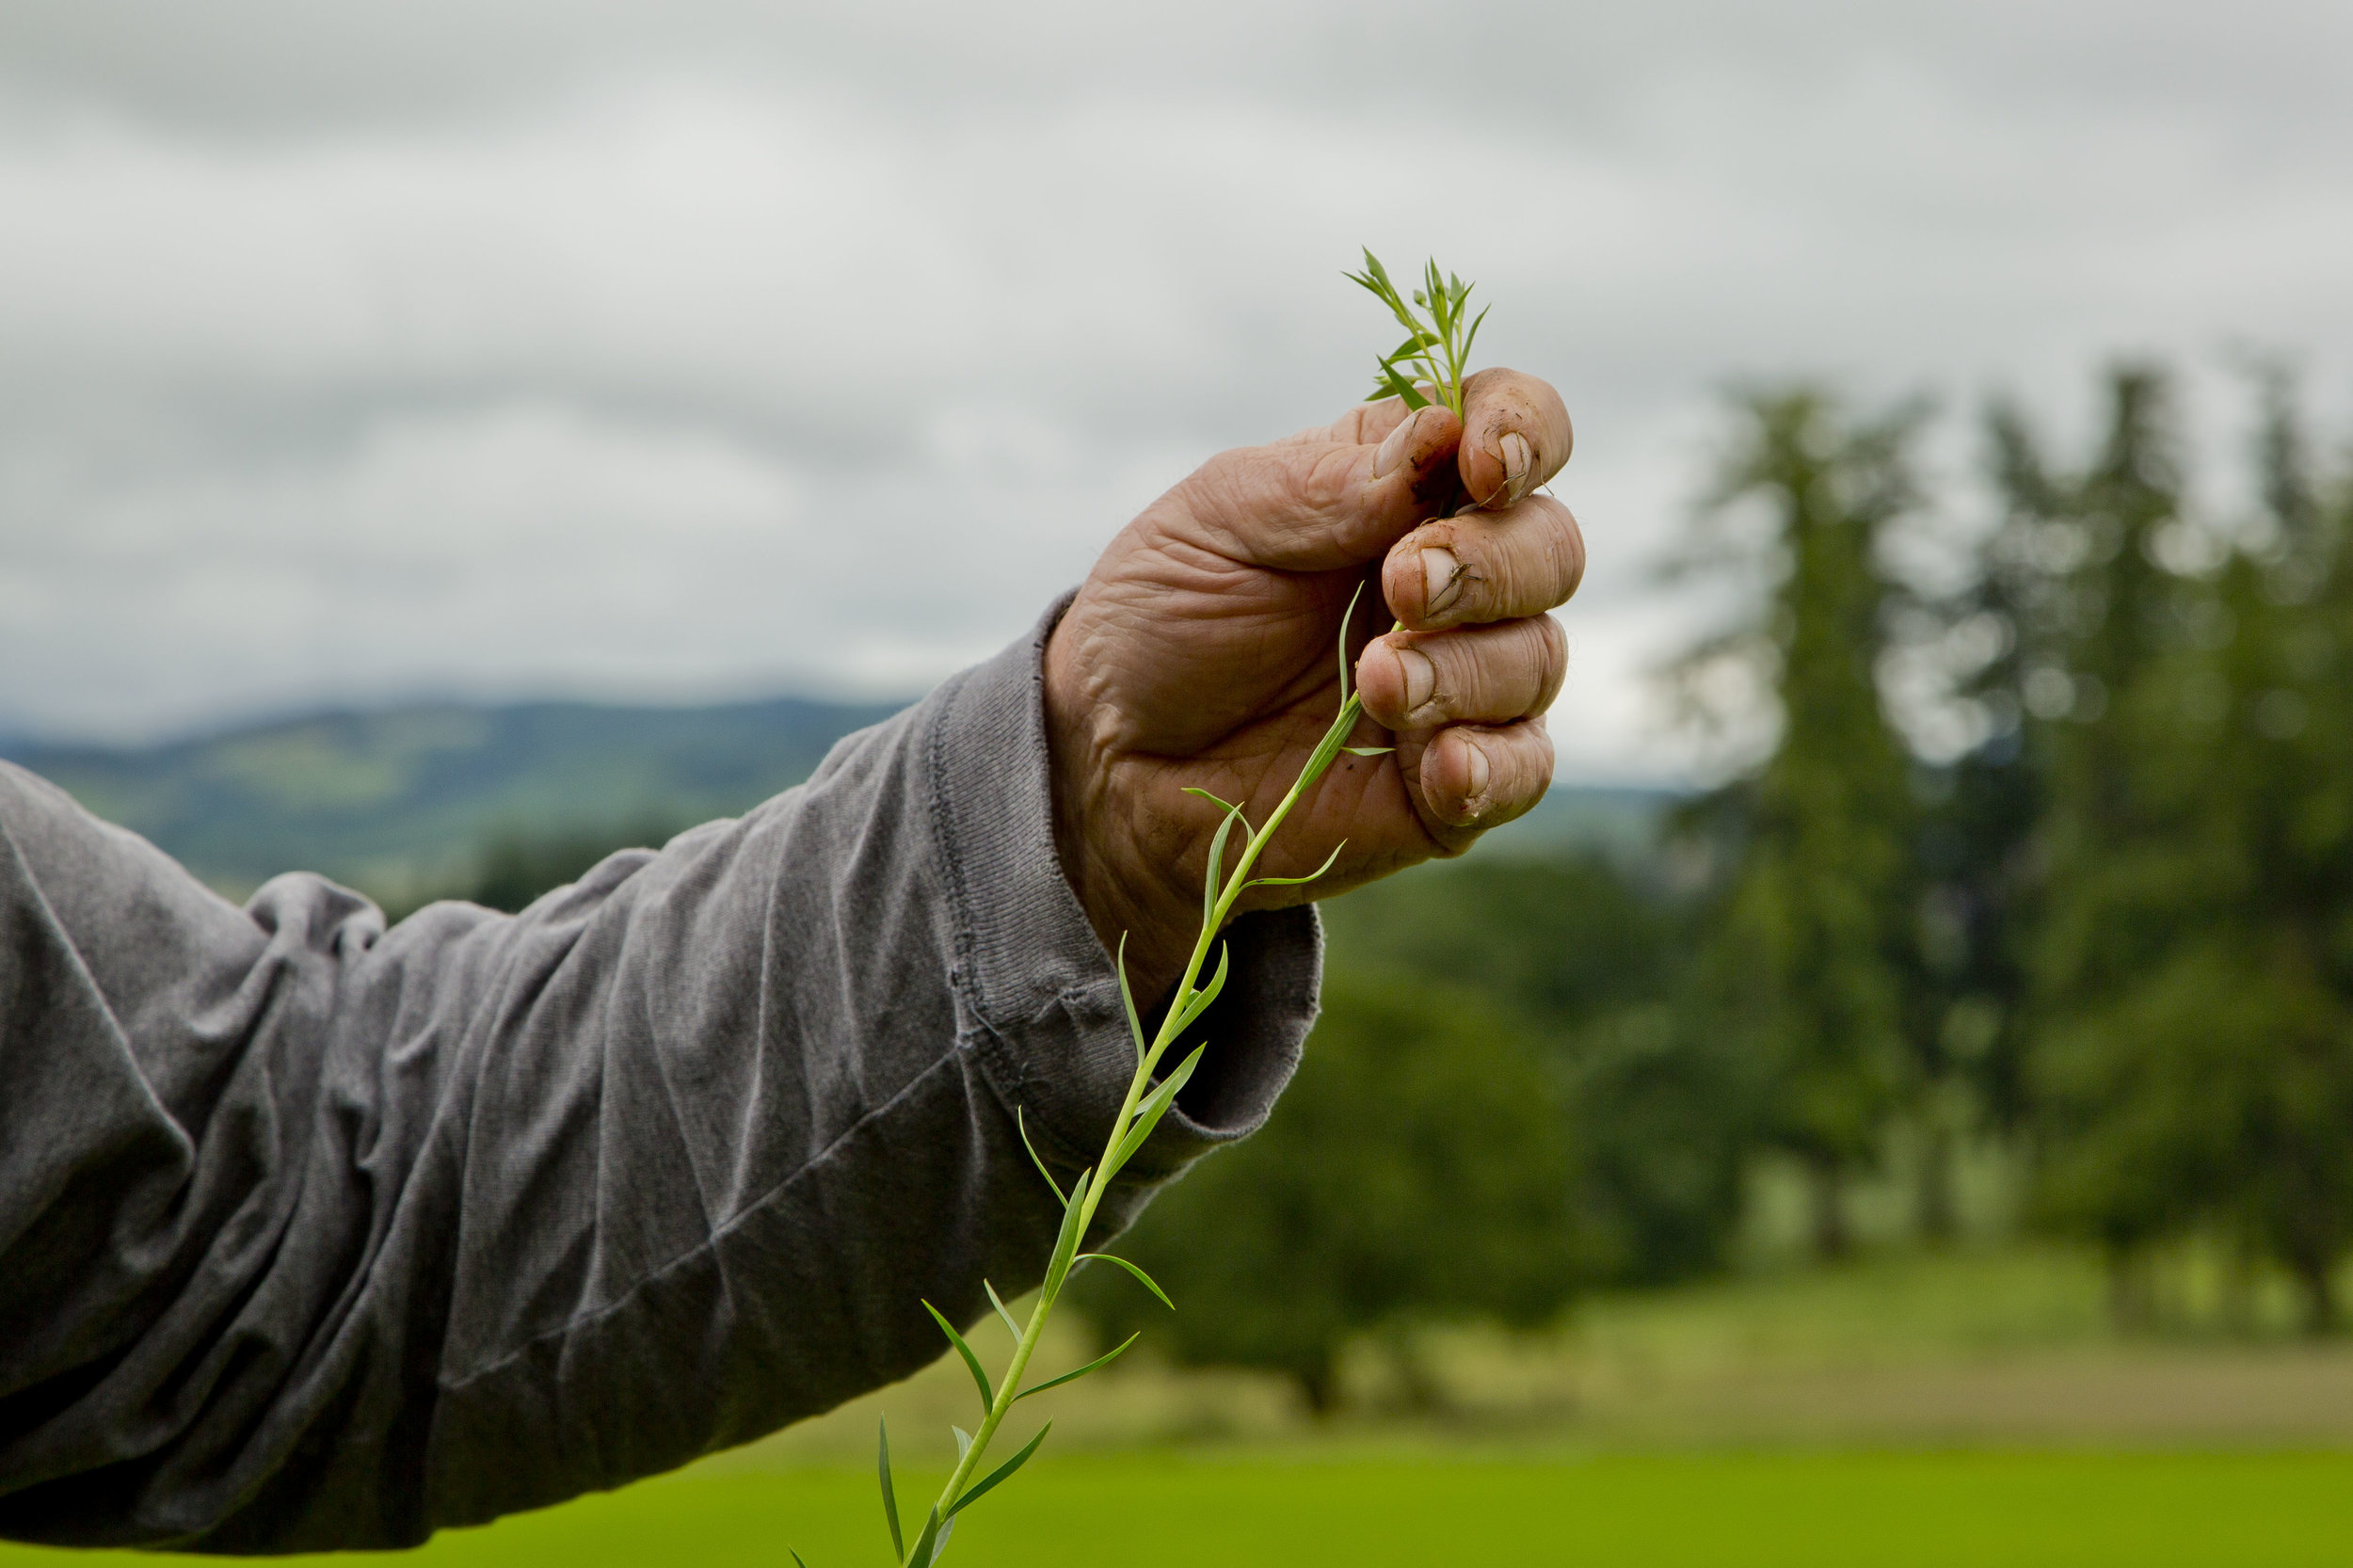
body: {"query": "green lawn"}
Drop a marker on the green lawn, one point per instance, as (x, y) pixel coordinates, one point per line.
(1819, 1510)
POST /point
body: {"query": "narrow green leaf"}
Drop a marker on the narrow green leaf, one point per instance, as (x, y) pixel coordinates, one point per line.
(890, 1496)
(1301, 880)
(1073, 1377)
(1135, 1024)
(997, 1301)
(1405, 391)
(1367, 751)
(1472, 336)
(1066, 1240)
(1148, 1283)
(1199, 1002)
(1227, 805)
(797, 1559)
(979, 1378)
(1209, 888)
(964, 1442)
(1343, 724)
(1148, 1114)
(1378, 283)
(1024, 1128)
(982, 1487)
(1346, 616)
(926, 1544)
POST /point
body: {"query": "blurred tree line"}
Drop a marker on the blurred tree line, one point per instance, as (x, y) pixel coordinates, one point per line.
(2115, 926)
(2048, 841)
(518, 863)
(2045, 838)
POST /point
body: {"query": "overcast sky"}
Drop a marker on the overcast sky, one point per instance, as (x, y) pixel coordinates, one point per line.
(693, 349)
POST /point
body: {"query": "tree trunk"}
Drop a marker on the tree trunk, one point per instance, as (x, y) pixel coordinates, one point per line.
(1320, 1385)
(1939, 1212)
(2131, 1292)
(2239, 1274)
(2315, 1281)
(1418, 1389)
(1826, 1196)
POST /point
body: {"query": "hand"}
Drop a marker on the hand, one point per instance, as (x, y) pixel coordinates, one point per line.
(1203, 652)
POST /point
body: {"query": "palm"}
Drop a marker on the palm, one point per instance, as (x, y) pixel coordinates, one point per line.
(1236, 678)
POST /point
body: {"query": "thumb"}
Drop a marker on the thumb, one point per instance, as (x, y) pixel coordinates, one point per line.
(1325, 505)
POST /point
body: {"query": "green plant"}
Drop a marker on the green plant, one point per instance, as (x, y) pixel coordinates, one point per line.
(1438, 346)
(1148, 1098)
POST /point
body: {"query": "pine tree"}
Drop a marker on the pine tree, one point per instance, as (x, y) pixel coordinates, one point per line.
(2194, 1054)
(2276, 903)
(1813, 963)
(2114, 1166)
(2005, 633)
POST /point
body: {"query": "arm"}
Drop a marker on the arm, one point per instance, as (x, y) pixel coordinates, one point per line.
(313, 1235)
(316, 1236)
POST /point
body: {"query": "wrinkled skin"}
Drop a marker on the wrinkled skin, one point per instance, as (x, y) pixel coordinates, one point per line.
(1202, 651)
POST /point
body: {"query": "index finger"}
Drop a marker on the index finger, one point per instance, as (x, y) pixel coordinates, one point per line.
(1515, 435)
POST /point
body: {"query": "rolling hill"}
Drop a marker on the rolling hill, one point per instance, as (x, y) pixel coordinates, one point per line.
(406, 801)
(397, 797)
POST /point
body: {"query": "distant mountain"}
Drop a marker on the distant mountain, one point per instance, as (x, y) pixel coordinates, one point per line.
(1620, 820)
(400, 797)
(408, 800)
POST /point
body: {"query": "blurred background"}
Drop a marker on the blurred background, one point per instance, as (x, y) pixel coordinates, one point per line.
(1893, 1102)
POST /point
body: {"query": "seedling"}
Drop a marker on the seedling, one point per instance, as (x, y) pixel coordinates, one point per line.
(1437, 345)
(1440, 350)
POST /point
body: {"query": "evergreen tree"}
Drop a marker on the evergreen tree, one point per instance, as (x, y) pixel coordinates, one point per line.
(2116, 1163)
(1812, 967)
(2005, 634)
(2195, 1061)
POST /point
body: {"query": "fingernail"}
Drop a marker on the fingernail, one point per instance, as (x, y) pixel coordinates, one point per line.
(1421, 677)
(1393, 450)
(1478, 772)
(1441, 581)
(1519, 464)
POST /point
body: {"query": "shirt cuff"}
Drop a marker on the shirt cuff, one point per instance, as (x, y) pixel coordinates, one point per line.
(1041, 996)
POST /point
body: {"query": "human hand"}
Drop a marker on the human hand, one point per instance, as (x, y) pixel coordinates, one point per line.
(1200, 652)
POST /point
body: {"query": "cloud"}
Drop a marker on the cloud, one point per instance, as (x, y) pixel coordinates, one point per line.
(509, 346)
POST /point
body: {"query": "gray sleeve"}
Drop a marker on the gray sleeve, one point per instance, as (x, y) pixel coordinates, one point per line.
(313, 1235)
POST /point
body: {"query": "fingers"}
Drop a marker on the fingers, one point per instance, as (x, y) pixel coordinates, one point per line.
(1481, 675)
(1515, 435)
(1485, 566)
(1309, 505)
(1335, 497)
(1476, 776)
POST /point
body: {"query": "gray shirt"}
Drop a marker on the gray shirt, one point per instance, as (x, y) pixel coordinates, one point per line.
(317, 1235)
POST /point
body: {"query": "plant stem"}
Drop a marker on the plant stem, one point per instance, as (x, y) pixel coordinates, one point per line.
(1009, 1386)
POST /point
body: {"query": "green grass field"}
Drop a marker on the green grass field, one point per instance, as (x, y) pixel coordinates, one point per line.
(1911, 1409)
(1821, 1510)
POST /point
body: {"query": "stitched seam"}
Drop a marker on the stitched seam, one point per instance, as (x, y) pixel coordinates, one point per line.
(964, 974)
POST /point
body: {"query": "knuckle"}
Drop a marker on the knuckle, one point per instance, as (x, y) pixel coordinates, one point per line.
(1326, 483)
(1567, 541)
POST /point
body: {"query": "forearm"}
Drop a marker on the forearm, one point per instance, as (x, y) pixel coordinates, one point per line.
(664, 1163)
